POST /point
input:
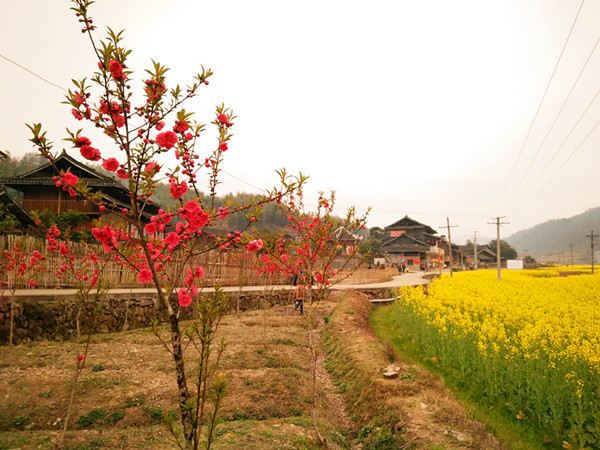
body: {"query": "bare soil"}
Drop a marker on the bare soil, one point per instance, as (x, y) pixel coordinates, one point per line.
(128, 382)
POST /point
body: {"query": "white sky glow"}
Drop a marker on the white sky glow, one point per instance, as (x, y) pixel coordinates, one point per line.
(416, 108)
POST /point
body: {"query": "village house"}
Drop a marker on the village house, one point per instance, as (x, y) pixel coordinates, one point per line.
(486, 257)
(417, 246)
(36, 191)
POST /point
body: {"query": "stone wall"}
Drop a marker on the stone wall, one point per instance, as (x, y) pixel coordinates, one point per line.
(55, 318)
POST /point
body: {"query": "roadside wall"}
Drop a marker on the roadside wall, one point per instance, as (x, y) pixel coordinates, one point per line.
(55, 318)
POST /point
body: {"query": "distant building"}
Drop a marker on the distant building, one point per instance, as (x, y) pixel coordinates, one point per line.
(485, 256)
(417, 245)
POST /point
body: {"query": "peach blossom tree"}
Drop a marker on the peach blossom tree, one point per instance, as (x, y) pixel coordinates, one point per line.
(161, 245)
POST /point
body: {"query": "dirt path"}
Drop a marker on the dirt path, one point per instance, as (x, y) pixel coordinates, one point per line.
(419, 408)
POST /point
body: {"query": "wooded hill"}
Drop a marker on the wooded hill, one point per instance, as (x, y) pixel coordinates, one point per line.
(550, 241)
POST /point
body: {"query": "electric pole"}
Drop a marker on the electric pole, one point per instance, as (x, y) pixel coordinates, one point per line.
(498, 223)
(475, 249)
(571, 247)
(448, 226)
(592, 236)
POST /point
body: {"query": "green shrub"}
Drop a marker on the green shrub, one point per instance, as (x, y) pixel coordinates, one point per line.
(95, 416)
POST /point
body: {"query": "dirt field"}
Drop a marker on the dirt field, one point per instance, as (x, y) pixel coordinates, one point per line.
(128, 383)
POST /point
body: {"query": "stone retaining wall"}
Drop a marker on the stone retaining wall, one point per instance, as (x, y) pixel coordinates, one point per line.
(55, 318)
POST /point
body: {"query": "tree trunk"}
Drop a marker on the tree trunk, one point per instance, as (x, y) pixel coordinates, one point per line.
(186, 419)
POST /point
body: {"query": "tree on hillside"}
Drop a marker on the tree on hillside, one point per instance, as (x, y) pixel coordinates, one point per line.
(378, 233)
(506, 251)
(12, 166)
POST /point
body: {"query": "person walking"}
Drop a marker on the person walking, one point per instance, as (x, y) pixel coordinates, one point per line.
(299, 294)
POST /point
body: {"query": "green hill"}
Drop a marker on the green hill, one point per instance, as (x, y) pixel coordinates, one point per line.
(550, 241)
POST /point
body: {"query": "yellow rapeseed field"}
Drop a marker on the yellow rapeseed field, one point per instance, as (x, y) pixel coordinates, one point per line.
(531, 342)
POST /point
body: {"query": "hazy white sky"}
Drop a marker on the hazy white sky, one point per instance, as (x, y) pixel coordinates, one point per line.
(410, 107)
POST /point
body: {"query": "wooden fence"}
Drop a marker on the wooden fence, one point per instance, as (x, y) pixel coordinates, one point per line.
(226, 268)
(232, 268)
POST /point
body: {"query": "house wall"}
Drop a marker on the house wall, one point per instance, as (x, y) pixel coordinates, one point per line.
(53, 199)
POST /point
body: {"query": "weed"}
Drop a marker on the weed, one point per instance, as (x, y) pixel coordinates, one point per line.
(117, 415)
(273, 362)
(97, 368)
(24, 405)
(350, 311)
(47, 394)
(407, 376)
(266, 434)
(285, 341)
(238, 415)
(365, 431)
(390, 352)
(21, 420)
(94, 444)
(136, 401)
(95, 416)
(296, 412)
(159, 414)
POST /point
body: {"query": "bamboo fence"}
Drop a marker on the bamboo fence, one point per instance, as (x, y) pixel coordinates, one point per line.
(233, 267)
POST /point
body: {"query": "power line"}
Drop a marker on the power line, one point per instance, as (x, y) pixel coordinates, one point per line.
(558, 150)
(33, 73)
(554, 121)
(563, 164)
(540, 105)
(239, 179)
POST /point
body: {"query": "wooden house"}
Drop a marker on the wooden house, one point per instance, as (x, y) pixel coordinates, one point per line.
(418, 246)
(36, 191)
(486, 257)
(410, 242)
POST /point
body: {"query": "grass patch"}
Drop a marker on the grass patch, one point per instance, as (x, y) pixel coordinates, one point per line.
(98, 368)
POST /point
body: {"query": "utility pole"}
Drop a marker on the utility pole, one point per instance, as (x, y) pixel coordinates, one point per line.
(592, 236)
(571, 247)
(475, 249)
(448, 226)
(498, 223)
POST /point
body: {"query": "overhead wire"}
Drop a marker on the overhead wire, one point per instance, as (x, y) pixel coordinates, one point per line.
(32, 73)
(557, 152)
(566, 161)
(245, 182)
(552, 126)
(539, 106)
